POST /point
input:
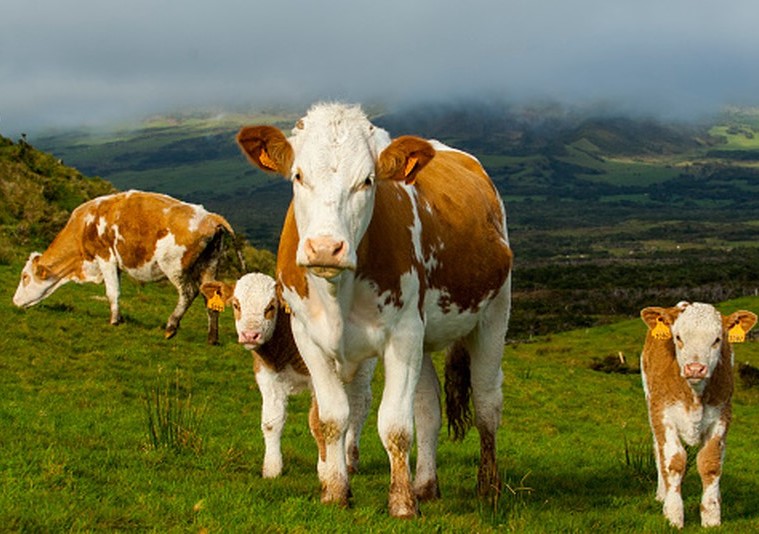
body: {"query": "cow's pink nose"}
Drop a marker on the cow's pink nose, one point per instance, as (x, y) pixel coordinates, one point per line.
(247, 337)
(324, 251)
(695, 370)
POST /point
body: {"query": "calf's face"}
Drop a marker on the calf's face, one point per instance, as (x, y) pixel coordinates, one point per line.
(254, 302)
(698, 336)
(699, 333)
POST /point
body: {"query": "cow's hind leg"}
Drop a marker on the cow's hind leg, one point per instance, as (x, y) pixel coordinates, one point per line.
(485, 348)
(187, 292)
(360, 398)
(427, 420)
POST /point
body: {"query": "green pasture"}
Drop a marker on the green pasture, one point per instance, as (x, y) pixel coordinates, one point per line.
(76, 453)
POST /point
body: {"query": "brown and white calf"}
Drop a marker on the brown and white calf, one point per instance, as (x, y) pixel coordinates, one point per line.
(264, 328)
(391, 249)
(149, 236)
(687, 370)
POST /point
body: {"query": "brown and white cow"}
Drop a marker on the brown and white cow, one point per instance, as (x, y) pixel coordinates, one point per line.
(264, 329)
(687, 370)
(149, 236)
(391, 249)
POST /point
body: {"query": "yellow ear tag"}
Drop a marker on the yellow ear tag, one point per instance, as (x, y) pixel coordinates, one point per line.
(215, 303)
(661, 331)
(410, 164)
(736, 334)
(287, 308)
(266, 161)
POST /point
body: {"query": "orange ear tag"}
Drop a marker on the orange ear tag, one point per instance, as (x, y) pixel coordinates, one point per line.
(661, 330)
(736, 334)
(215, 303)
(410, 164)
(266, 161)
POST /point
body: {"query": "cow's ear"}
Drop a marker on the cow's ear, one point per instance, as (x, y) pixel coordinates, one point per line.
(216, 289)
(738, 324)
(404, 158)
(266, 147)
(40, 271)
(659, 320)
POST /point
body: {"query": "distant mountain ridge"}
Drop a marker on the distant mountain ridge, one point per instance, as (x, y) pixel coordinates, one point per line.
(537, 156)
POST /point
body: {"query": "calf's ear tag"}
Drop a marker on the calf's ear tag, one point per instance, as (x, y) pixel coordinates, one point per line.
(215, 303)
(736, 334)
(661, 330)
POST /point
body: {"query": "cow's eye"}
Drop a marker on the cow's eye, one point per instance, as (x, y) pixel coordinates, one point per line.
(297, 177)
(236, 305)
(365, 184)
(716, 342)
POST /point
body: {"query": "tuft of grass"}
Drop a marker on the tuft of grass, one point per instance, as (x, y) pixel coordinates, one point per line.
(173, 421)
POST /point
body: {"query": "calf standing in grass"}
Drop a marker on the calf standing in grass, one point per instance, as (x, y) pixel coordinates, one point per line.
(264, 329)
(147, 235)
(687, 369)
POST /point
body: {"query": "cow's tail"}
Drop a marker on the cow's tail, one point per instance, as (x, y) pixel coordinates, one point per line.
(224, 226)
(458, 391)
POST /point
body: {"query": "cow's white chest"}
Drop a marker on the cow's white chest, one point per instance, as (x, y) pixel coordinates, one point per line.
(694, 423)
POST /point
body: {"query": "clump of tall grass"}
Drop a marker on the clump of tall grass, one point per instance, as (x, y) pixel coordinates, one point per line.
(639, 459)
(173, 420)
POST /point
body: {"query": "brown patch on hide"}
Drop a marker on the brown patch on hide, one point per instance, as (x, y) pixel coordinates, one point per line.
(289, 274)
(709, 461)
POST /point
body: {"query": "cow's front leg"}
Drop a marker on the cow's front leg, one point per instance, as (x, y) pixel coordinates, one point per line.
(403, 360)
(333, 413)
(111, 279)
(672, 462)
(710, 468)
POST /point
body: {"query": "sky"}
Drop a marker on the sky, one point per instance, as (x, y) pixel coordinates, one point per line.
(91, 62)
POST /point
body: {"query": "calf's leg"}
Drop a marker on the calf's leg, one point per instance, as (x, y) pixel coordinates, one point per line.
(709, 463)
(274, 395)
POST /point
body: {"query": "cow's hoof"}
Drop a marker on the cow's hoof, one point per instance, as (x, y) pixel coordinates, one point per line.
(429, 491)
(338, 494)
(170, 333)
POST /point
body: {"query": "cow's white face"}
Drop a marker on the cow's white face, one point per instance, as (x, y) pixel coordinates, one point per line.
(335, 149)
(698, 335)
(37, 282)
(255, 307)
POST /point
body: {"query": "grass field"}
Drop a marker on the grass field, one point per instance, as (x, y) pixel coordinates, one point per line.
(76, 452)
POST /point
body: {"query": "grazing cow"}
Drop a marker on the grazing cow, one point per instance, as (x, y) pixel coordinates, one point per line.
(263, 328)
(391, 249)
(687, 370)
(147, 235)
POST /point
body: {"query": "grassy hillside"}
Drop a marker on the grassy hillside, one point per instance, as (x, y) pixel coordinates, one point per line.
(38, 194)
(77, 453)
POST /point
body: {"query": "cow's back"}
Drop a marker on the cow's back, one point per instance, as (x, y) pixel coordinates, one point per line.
(134, 222)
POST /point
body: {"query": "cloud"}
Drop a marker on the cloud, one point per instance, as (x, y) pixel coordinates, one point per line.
(89, 61)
